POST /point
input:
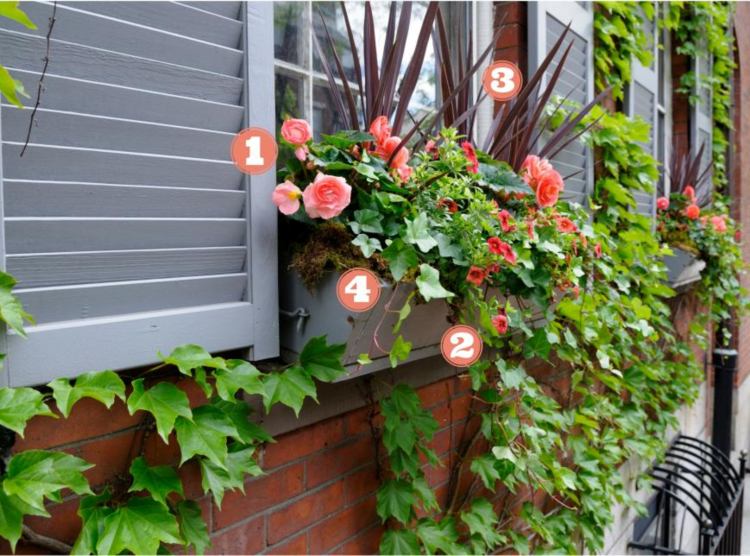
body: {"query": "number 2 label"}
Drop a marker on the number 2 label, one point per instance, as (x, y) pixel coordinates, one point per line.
(358, 290)
(461, 345)
(502, 80)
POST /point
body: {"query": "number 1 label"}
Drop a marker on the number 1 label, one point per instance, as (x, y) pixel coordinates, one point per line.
(254, 151)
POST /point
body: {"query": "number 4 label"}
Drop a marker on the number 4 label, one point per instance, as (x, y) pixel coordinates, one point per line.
(358, 289)
(461, 345)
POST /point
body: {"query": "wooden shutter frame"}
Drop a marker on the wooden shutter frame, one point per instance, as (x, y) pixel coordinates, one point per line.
(700, 121)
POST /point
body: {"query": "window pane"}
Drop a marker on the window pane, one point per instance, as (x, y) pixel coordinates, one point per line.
(290, 97)
(326, 118)
(290, 34)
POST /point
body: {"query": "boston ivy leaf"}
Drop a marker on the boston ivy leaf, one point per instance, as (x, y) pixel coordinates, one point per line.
(400, 257)
(418, 233)
(190, 356)
(438, 535)
(238, 375)
(11, 519)
(289, 387)
(399, 541)
(164, 401)
(192, 526)
(139, 526)
(400, 351)
(13, 12)
(538, 345)
(395, 499)
(159, 481)
(206, 434)
(484, 467)
(238, 412)
(238, 464)
(429, 285)
(35, 474)
(18, 405)
(481, 520)
(323, 360)
(513, 377)
(102, 386)
(11, 309)
(92, 512)
(10, 88)
(367, 244)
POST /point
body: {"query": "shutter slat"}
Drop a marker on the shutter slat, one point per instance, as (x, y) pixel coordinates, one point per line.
(28, 198)
(229, 10)
(91, 301)
(22, 51)
(79, 27)
(54, 269)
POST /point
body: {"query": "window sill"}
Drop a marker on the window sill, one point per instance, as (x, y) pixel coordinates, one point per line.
(683, 268)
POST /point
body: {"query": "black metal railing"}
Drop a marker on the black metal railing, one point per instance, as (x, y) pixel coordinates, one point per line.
(697, 507)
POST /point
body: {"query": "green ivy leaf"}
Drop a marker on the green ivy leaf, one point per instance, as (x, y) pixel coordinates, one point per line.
(400, 257)
(11, 309)
(400, 351)
(102, 386)
(399, 542)
(206, 434)
(190, 356)
(159, 481)
(192, 526)
(538, 345)
(368, 221)
(322, 360)
(11, 10)
(289, 387)
(395, 498)
(239, 413)
(239, 463)
(10, 88)
(481, 520)
(368, 245)
(19, 405)
(484, 467)
(92, 513)
(438, 535)
(139, 526)
(429, 285)
(11, 519)
(238, 375)
(164, 401)
(418, 233)
(35, 474)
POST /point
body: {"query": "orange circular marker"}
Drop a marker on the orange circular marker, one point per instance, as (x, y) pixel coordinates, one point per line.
(254, 151)
(461, 345)
(502, 80)
(358, 289)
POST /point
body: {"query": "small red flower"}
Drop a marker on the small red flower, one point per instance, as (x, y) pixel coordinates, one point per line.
(662, 203)
(598, 250)
(476, 275)
(500, 322)
(450, 204)
(471, 155)
(738, 236)
(530, 228)
(508, 253)
(576, 291)
(492, 268)
(504, 217)
(692, 211)
(689, 192)
(496, 245)
(566, 225)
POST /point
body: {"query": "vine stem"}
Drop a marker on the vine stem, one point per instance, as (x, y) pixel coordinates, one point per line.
(53, 545)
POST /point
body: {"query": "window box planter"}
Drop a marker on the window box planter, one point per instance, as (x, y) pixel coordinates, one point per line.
(306, 314)
(683, 268)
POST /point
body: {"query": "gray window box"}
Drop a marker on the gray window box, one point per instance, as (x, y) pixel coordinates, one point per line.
(683, 268)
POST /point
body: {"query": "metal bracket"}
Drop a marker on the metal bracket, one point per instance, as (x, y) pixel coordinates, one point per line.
(300, 313)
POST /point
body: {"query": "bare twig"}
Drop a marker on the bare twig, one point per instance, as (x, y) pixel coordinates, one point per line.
(40, 87)
(53, 545)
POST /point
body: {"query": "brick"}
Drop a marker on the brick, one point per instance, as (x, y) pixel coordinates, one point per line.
(111, 456)
(157, 452)
(310, 509)
(190, 474)
(441, 442)
(304, 442)
(460, 407)
(245, 538)
(513, 34)
(435, 393)
(358, 422)
(509, 12)
(296, 545)
(360, 484)
(261, 493)
(341, 526)
(195, 394)
(63, 523)
(366, 542)
(338, 461)
(438, 474)
(442, 415)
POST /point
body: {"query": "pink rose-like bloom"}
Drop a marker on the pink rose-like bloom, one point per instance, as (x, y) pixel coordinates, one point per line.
(689, 192)
(327, 196)
(296, 131)
(598, 250)
(500, 322)
(471, 156)
(286, 196)
(404, 172)
(662, 203)
(385, 150)
(548, 188)
(533, 168)
(301, 152)
(504, 217)
(693, 211)
(380, 129)
(566, 225)
(719, 224)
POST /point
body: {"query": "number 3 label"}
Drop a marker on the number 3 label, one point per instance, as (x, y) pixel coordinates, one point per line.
(461, 345)
(358, 290)
(502, 80)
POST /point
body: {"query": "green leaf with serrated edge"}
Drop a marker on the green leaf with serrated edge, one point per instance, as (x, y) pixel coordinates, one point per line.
(418, 233)
(481, 520)
(19, 405)
(238, 375)
(400, 257)
(11, 519)
(190, 356)
(538, 345)
(438, 535)
(139, 526)
(364, 359)
(92, 512)
(425, 493)
(164, 401)
(290, 388)
(399, 542)
(239, 413)
(11, 309)
(205, 435)
(429, 285)
(11, 10)
(159, 480)
(10, 88)
(238, 464)
(192, 526)
(37, 474)
(395, 498)
(322, 360)
(102, 386)
(400, 351)
(484, 467)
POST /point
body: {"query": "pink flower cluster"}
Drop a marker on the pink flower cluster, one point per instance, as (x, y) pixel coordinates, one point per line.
(541, 176)
(386, 144)
(297, 133)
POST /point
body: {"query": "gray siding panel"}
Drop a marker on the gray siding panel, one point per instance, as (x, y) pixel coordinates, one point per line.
(225, 9)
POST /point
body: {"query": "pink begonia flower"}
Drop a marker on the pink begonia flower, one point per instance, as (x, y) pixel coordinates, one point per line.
(326, 197)
(296, 132)
(662, 203)
(598, 250)
(533, 168)
(385, 150)
(689, 192)
(548, 188)
(286, 196)
(693, 211)
(380, 129)
(566, 225)
(719, 224)
(301, 152)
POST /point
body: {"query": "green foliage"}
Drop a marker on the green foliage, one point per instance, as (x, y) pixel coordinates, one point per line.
(102, 386)
(10, 88)
(19, 405)
(158, 481)
(164, 401)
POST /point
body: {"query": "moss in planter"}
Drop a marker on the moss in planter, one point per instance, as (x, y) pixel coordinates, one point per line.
(328, 247)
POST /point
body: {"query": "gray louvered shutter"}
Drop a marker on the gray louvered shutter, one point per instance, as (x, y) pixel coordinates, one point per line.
(641, 100)
(701, 120)
(125, 222)
(547, 21)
